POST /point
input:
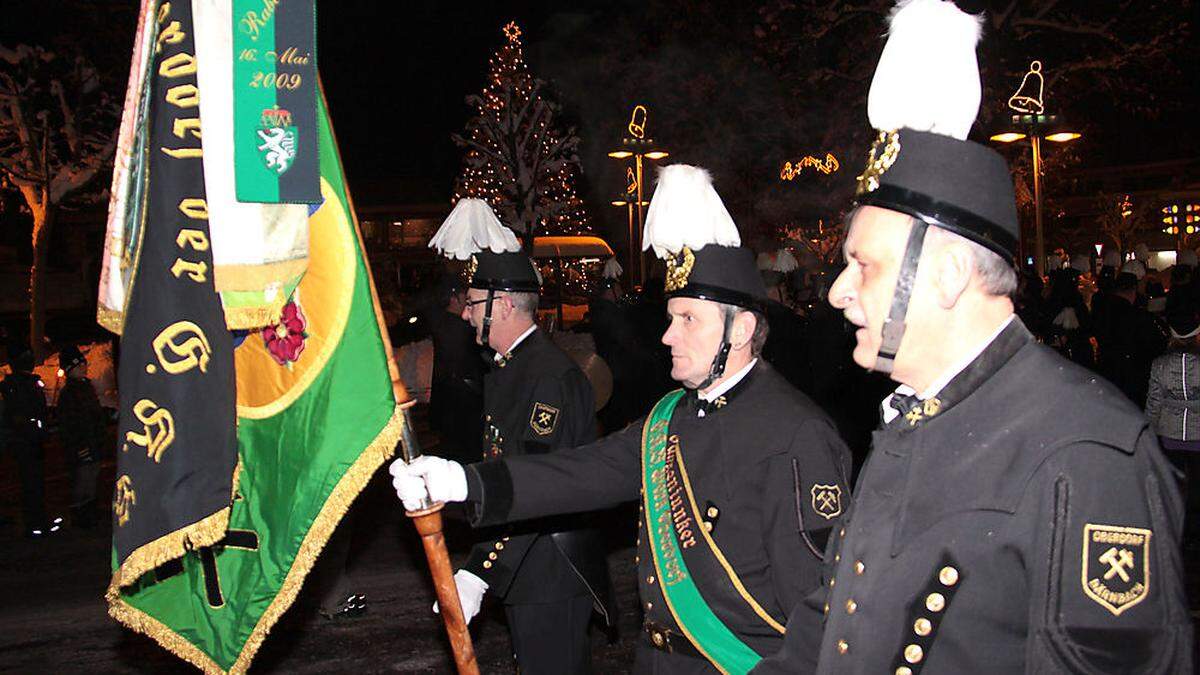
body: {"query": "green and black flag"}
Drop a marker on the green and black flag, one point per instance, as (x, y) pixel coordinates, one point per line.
(275, 102)
(177, 436)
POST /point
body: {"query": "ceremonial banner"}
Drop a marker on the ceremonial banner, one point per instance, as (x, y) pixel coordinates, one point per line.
(317, 415)
(176, 434)
(124, 202)
(275, 101)
(260, 251)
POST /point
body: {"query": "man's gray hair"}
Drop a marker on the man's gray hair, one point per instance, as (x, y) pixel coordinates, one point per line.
(526, 303)
(761, 329)
(996, 275)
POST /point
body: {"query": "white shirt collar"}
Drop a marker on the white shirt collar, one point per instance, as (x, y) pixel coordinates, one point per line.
(498, 357)
(939, 383)
(728, 384)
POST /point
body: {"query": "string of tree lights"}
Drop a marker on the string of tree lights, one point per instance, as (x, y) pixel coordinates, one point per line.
(518, 157)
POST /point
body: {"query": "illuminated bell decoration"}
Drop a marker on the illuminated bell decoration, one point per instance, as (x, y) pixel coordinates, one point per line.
(638, 120)
(1028, 98)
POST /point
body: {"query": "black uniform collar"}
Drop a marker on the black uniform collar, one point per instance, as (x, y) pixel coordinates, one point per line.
(693, 403)
(501, 360)
(916, 412)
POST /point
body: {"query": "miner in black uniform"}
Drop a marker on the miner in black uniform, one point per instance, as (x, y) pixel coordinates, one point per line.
(549, 573)
(741, 478)
(1016, 513)
(25, 421)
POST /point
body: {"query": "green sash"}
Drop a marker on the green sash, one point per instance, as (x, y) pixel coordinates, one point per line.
(695, 618)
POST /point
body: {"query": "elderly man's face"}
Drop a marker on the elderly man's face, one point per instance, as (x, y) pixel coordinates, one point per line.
(874, 249)
(694, 336)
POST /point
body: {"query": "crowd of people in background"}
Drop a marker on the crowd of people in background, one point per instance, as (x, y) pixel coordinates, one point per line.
(69, 416)
(1138, 327)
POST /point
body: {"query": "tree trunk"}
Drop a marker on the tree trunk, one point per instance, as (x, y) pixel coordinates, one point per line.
(43, 221)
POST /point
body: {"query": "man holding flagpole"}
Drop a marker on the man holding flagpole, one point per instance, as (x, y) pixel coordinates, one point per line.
(741, 478)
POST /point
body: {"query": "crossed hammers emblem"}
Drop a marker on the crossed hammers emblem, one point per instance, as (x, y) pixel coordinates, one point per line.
(828, 500)
(1118, 562)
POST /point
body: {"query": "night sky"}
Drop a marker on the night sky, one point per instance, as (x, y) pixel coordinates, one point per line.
(396, 74)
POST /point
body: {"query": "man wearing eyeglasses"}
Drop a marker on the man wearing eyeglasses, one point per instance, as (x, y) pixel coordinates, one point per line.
(549, 573)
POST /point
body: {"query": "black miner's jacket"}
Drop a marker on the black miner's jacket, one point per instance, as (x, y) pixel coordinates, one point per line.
(1026, 522)
(536, 401)
(767, 473)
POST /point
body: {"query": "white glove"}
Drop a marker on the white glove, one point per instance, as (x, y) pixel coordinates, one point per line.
(470, 593)
(428, 477)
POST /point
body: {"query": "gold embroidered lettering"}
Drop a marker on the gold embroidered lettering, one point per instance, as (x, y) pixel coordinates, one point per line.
(183, 153)
(196, 271)
(187, 125)
(183, 96)
(158, 429)
(194, 208)
(185, 340)
(197, 239)
(177, 65)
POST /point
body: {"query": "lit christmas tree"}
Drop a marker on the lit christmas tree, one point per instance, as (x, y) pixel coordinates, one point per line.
(516, 156)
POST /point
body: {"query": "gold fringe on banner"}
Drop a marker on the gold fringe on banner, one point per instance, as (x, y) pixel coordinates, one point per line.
(257, 277)
(110, 320)
(252, 317)
(347, 490)
(205, 532)
(336, 505)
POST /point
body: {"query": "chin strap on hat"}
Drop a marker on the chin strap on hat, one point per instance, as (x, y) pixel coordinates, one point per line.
(893, 328)
(718, 364)
(487, 318)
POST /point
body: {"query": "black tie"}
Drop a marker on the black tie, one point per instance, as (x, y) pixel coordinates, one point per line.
(903, 403)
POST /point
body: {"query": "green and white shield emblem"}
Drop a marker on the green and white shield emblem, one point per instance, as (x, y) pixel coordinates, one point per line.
(277, 147)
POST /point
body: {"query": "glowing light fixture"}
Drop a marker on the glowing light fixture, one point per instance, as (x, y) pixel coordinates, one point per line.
(1008, 137)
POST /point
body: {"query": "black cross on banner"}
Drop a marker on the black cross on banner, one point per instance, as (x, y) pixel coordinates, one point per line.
(246, 540)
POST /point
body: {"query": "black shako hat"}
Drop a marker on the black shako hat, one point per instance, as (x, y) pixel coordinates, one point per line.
(503, 272)
(689, 227)
(725, 274)
(494, 259)
(956, 185)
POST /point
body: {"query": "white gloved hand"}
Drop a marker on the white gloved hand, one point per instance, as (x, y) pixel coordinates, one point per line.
(470, 593)
(428, 477)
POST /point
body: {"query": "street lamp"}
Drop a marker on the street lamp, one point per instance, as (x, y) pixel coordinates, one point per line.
(629, 202)
(640, 148)
(1036, 127)
(1031, 122)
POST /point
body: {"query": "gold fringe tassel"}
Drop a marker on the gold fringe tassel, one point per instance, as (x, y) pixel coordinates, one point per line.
(336, 505)
(145, 624)
(352, 483)
(110, 320)
(249, 277)
(251, 317)
(204, 532)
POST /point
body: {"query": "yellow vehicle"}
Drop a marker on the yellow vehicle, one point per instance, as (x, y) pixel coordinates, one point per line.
(571, 269)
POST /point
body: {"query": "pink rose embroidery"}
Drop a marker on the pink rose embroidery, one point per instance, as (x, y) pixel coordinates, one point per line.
(285, 340)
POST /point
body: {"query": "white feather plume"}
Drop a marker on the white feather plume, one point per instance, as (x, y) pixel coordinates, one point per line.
(613, 269)
(470, 228)
(928, 77)
(686, 211)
